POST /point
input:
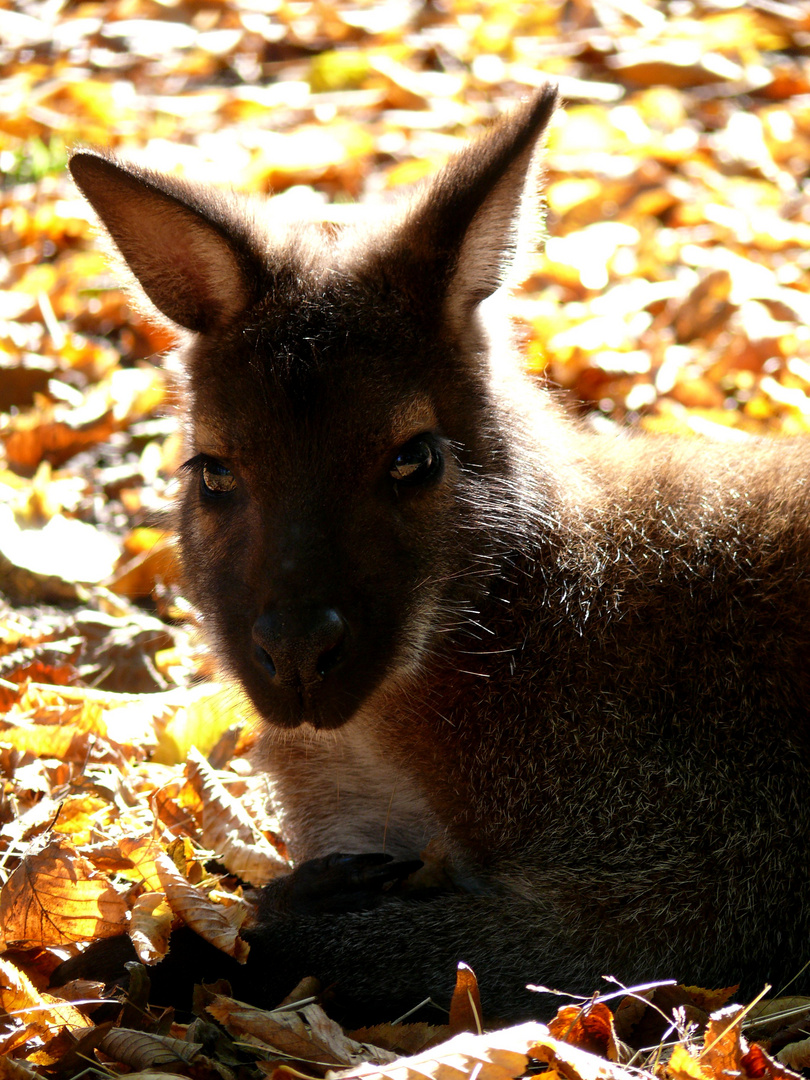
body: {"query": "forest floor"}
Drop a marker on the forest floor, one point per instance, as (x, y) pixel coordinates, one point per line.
(673, 295)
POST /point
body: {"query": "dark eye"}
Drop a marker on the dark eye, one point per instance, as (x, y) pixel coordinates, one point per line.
(417, 461)
(216, 479)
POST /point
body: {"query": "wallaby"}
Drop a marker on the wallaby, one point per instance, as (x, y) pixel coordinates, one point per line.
(575, 669)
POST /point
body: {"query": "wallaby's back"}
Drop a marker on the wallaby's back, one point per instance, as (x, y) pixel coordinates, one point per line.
(571, 669)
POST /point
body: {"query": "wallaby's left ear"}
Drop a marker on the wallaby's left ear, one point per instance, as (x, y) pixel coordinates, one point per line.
(481, 214)
(191, 252)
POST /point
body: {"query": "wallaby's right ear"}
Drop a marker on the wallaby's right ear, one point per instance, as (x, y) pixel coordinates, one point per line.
(191, 257)
(473, 224)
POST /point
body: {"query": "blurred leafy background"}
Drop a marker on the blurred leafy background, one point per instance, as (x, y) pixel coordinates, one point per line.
(672, 295)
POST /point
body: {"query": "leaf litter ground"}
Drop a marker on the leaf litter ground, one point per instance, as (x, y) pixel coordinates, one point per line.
(673, 295)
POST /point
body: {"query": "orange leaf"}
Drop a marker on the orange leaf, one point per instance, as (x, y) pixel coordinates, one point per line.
(465, 1006)
(56, 896)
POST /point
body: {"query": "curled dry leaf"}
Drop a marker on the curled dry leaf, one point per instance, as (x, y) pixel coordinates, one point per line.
(590, 1028)
(726, 1053)
(228, 829)
(15, 1070)
(572, 1063)
(218, 924)
(401, 1038)
(723, 1044)
(795, 1056)
(643, 1018)
(306, 1034)
(145, 1050)
(465, 1006)
(756, 1064)
(150, 927)
(56, 896)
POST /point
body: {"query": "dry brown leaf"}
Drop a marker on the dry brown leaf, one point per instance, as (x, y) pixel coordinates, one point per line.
(712, 1000)
(228, 830)
(200, 716)
(151, 926)
(69, 715)
(45, 438)
(56, 896)
(218, 924)
(401, 1038)
(328, 1034)
(770, 1016)
(758, 1065)
(795, 1056)
(145, 1050)
(156, 564)
(572, 1063)
(83, 818)
(465, 1005)
(69, 1050)
(589, 1027)
(15, 1070)
(306, 1034)
(498, 1055)
(723, 1044)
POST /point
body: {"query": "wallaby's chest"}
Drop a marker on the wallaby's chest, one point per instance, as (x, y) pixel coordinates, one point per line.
(346, 792)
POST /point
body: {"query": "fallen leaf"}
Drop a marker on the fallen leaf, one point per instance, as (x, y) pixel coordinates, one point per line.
(465, 1005)
(228, 830)
(56, 896)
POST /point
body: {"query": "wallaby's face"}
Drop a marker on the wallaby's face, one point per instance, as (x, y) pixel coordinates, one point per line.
(342, 441)
(324, 511)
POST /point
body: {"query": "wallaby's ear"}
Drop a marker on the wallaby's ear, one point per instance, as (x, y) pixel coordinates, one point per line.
(191, 257)
(482, 213)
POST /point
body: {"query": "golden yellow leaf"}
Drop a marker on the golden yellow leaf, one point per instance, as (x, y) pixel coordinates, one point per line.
(56, 896)
(150, 927)
(40, 1012)
(683, 1066)
(217, 923)
(228, 830)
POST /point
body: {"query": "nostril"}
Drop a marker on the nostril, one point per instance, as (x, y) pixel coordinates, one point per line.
(334, 640)
(299, 647)
(266, 660)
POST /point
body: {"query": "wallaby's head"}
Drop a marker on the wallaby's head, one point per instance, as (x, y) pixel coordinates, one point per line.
(347, 451)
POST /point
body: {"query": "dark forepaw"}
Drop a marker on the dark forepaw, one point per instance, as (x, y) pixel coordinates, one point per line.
(190, 960)
(335, 883)
(104, 961)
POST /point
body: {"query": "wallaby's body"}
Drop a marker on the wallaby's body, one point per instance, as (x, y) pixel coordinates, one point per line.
(577, 668)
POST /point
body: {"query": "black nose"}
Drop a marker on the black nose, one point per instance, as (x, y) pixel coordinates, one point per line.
(300, 647)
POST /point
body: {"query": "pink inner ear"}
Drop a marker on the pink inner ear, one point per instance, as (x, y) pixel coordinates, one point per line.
(186, 266)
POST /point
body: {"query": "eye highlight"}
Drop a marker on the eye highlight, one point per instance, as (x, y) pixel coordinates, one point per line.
(215, 479)
(417, 461)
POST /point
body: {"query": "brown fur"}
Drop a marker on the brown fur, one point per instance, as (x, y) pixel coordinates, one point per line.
(578, 667)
